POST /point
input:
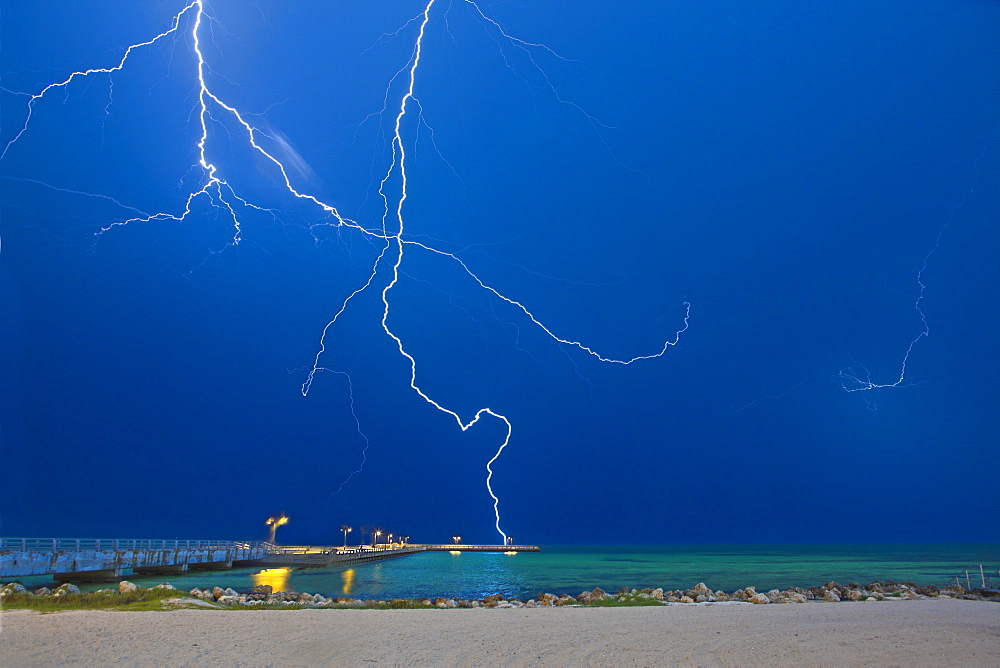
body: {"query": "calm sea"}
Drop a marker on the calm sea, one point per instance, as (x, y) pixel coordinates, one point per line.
(564, 569)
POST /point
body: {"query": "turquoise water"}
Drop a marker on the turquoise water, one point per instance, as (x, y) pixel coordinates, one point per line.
(563, 569)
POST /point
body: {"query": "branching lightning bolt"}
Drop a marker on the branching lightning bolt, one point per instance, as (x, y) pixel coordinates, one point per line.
(220, 194)
(854, 381)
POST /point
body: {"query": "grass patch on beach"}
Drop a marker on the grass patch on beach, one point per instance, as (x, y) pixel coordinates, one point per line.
(399, 604)
(143, 599)
(629, 602)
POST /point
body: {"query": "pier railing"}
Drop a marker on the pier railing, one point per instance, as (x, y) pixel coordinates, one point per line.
(119, 544)
(331, 549)
(976, 572)
(462, 547)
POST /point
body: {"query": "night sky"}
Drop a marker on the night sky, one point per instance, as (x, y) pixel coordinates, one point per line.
(787, 168)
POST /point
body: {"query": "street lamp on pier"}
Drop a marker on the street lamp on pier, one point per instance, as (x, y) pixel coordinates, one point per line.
(274, 523)
(457, 539)
(346, 530)
(378, 533)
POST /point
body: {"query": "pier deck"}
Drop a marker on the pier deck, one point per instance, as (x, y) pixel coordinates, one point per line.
(310, 556)
(82, 559)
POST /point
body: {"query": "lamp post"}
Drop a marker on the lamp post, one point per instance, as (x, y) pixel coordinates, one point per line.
(346, 529)
(457, 539)
(274, 523)
(378, 533)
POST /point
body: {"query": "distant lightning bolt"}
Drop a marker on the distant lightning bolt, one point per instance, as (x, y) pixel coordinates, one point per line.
(220, 194)
(854, 381)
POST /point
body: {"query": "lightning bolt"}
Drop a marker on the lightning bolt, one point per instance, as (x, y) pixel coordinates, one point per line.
(852, 380)
(220, 194)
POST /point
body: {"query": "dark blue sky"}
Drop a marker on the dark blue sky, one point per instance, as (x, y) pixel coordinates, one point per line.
(786, 167)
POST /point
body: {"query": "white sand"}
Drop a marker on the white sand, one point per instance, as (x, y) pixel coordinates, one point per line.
(931, 632)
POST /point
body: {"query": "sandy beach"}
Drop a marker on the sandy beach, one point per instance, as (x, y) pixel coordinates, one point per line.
(931, 632)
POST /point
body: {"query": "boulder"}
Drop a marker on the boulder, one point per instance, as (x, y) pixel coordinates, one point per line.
(43, 591)
(262, 589)
(464, 603)
(306, 598)
(584, 597)
(441, 602)
(743, 594)
(218, 592)
(686, 599)
(231, 592)
(228, 600)
(657, 594)
(831, 596)
(759, 599)
(126, 587)
(598, 594)
(855, 594)
(954, 589)
(493, 599)
(876, 587)
(795, 597)
(701, 588)
(165, 585)
(546, 599)
(13, 588)
(67, 588)
(565, 600)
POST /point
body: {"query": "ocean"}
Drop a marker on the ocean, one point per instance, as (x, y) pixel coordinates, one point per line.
(572, 569)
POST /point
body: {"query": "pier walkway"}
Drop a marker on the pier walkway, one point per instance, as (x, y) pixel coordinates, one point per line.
(81, 559)
(309, 556)
(99, 559)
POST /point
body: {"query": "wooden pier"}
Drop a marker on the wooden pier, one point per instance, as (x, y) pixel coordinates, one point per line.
(81, 559)
(310, 556)
(481, 548)
(104, 559)
(97, 559)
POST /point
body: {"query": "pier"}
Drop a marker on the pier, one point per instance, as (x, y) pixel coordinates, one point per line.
(82, 559)
(99, 559)
(307, 556)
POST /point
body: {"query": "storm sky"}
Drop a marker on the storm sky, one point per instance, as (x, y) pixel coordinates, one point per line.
(795, 171)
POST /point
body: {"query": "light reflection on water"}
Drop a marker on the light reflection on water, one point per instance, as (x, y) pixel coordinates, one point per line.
(348, 585)
(276, 577)
(572, 569)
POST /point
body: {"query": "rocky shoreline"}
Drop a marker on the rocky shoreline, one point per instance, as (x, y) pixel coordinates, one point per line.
(263, 595)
